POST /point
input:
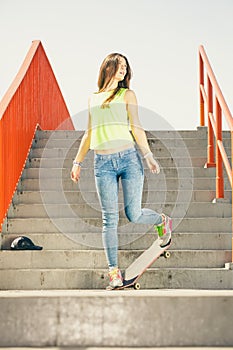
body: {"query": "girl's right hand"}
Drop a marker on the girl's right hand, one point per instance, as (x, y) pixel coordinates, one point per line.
(75, 173)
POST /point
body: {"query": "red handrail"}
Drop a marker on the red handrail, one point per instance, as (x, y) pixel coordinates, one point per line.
(213, 104)
(34, 100)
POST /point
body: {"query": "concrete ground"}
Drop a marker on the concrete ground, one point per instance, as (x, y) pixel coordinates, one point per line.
(104, 293)
(72, 306)
(91, 348)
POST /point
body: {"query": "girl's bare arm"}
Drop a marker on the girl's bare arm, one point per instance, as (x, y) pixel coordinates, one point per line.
(82, 151)
(138, 131)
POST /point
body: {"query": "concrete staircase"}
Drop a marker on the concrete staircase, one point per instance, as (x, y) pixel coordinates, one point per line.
(65, 219)
(51, 298)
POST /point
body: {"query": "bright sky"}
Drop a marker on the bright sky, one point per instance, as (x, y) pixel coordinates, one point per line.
(159, 37)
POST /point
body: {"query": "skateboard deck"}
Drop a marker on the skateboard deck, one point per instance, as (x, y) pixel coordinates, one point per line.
(142, 263)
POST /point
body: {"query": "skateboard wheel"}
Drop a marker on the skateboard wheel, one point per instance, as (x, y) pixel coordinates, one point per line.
(137, 286)
(167, 255)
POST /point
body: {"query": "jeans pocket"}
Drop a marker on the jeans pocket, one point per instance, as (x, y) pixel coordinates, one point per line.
(135, 160)
(100, 164)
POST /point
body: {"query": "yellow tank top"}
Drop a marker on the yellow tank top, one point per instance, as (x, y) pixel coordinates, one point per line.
(110, 125)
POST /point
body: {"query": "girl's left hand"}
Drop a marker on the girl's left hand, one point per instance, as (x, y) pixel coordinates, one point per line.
(153, 165)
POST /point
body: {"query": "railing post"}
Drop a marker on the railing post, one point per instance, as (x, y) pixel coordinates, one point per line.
(219, 167)
(210, 152)
(201, 83)
(215, 126)
(2, 196)
(232, 198)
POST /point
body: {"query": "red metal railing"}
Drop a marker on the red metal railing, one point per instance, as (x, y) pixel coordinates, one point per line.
(213, 104)
(34, 100)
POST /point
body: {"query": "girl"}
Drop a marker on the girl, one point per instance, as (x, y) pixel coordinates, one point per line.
(113, 112)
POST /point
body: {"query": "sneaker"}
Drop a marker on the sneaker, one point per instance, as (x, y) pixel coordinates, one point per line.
(116, 279)
(164, 230)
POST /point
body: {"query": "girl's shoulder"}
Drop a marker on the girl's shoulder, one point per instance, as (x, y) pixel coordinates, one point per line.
(130, 92)
(130, 96)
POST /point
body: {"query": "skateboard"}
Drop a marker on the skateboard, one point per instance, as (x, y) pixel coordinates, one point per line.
(142, 263)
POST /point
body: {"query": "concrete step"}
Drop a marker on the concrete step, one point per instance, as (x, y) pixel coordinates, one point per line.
(169, 145)
(59, 134)
(33, 173)
(90, 210)
(200, 132)
(136, 241)
(66, 184)
(159, 150)
(154, 278)
(155, 141)
(152, 134)
(183, 158)
(85, 319)
(95, 259)
(110, 348)
(194, 142)
(168, 160)
(76, 197)
(80, 225)
(62, 318)
(59, 159)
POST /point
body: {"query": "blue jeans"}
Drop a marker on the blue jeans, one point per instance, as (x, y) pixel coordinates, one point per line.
(108, 169)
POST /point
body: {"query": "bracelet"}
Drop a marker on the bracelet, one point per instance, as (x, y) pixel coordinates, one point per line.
(148, 155)
(77, 163)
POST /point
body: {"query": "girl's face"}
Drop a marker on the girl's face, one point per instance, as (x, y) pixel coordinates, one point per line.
(122, 69)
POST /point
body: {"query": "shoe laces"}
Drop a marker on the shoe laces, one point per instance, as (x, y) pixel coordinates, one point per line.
(115, 273)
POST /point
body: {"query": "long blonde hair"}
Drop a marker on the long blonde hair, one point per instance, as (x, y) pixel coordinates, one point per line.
(107, 71)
